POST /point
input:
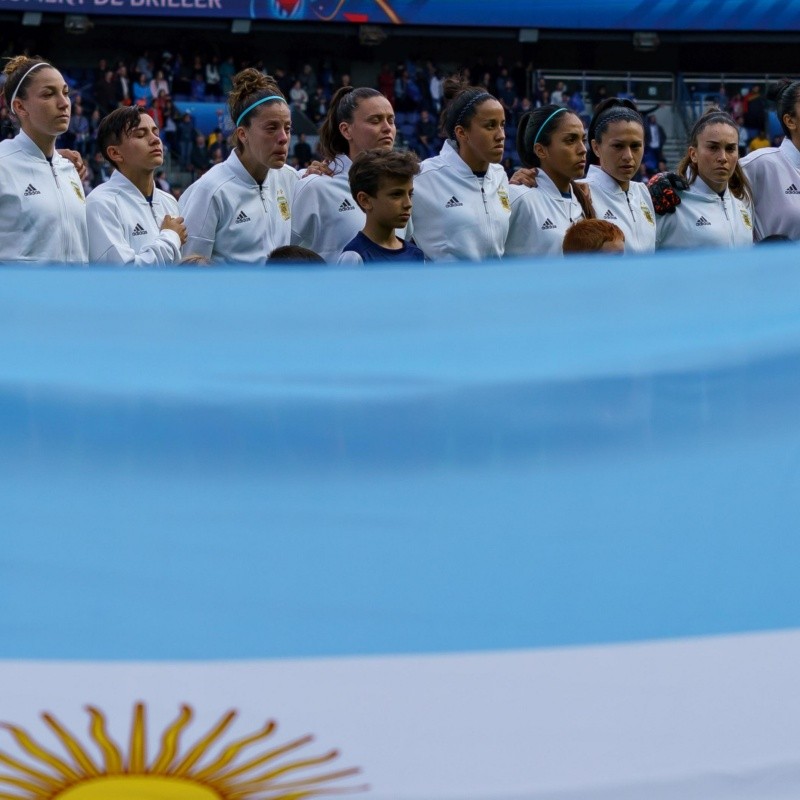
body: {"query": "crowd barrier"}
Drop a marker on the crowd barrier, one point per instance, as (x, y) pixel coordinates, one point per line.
(487, 532)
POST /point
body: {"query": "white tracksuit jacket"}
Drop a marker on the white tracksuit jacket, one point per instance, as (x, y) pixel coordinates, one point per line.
(774, 175)
(540, 218)
(42, 207)
(325, 217)
(125, 229)
(704, 219)
(229, 218)
(631, 211)
(454, 217)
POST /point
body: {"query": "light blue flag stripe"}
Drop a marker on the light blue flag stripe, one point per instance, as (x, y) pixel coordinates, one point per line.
(250, 464)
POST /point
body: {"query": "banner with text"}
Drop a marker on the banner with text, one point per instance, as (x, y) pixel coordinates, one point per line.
(703, 15)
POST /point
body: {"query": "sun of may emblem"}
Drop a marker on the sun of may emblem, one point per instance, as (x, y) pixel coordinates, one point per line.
(173, 773)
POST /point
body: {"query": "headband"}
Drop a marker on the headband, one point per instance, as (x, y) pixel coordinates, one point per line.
(257, 103)
(479, 98)
(617, 113)
(542, 126)
(21, 81)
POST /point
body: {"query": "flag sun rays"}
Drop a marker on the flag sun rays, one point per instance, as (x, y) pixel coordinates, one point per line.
(174, 773)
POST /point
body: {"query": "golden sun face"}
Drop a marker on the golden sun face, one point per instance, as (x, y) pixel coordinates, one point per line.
(194, 774)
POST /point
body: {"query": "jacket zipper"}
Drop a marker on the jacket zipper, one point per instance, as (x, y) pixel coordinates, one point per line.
(63, 205)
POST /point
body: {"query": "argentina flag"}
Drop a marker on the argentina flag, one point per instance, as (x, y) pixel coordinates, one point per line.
(518, 531)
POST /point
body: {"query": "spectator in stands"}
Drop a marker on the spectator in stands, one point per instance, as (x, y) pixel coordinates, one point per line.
(382, 183)
(600, 94)
(755, 114)
(141, 91)
(144, 66)
(435, 87)
(508, 97)
(199, 157)
(773, 172)
(131, 220)
(168, 124)
(185, 136)
(79, 129)
(197, 89)
(41, 219)
(593, 236)
(105, 92)
(302, 152)
(240, 211)
(715, 211)
(181, 83)
(162, 182)
(557, 96)
(425, 134)
(408, 97)
(216, 140)
(758, 141)
(298, 96)
(551, 139)
(227, 69)
(386, 79)
(100, 170)
(736, 108)
(743, 140)
(616, 148)
(308, 80)
(122, 87)
(525, 106)
(644, 174)
(318, 108)
(94, 124)
(98, 73)
(575, 103)
(654, 139)
(168, 68)
(282, 78)
(158, 85)
(461, 206)
(213, 78)
(324, 216)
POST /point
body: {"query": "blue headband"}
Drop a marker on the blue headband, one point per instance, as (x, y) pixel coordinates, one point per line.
(257, 103)
(539, 132)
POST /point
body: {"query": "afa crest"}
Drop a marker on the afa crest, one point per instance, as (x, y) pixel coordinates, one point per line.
(78, 191)
(503, 195)
(283, 206)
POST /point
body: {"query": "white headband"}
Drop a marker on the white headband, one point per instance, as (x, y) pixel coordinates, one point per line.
(14, 96)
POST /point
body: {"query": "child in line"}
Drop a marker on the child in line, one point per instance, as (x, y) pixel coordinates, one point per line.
(593, 236)
(382, 183)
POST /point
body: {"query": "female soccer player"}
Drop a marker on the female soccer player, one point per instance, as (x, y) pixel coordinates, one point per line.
(550, 138)
(461, 197)
(715, 211)
(239, 211)
(616, 142)
(324, 215)
(774, 172)
(42, 205)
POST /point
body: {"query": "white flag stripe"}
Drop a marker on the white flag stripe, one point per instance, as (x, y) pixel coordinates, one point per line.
(700, 719)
